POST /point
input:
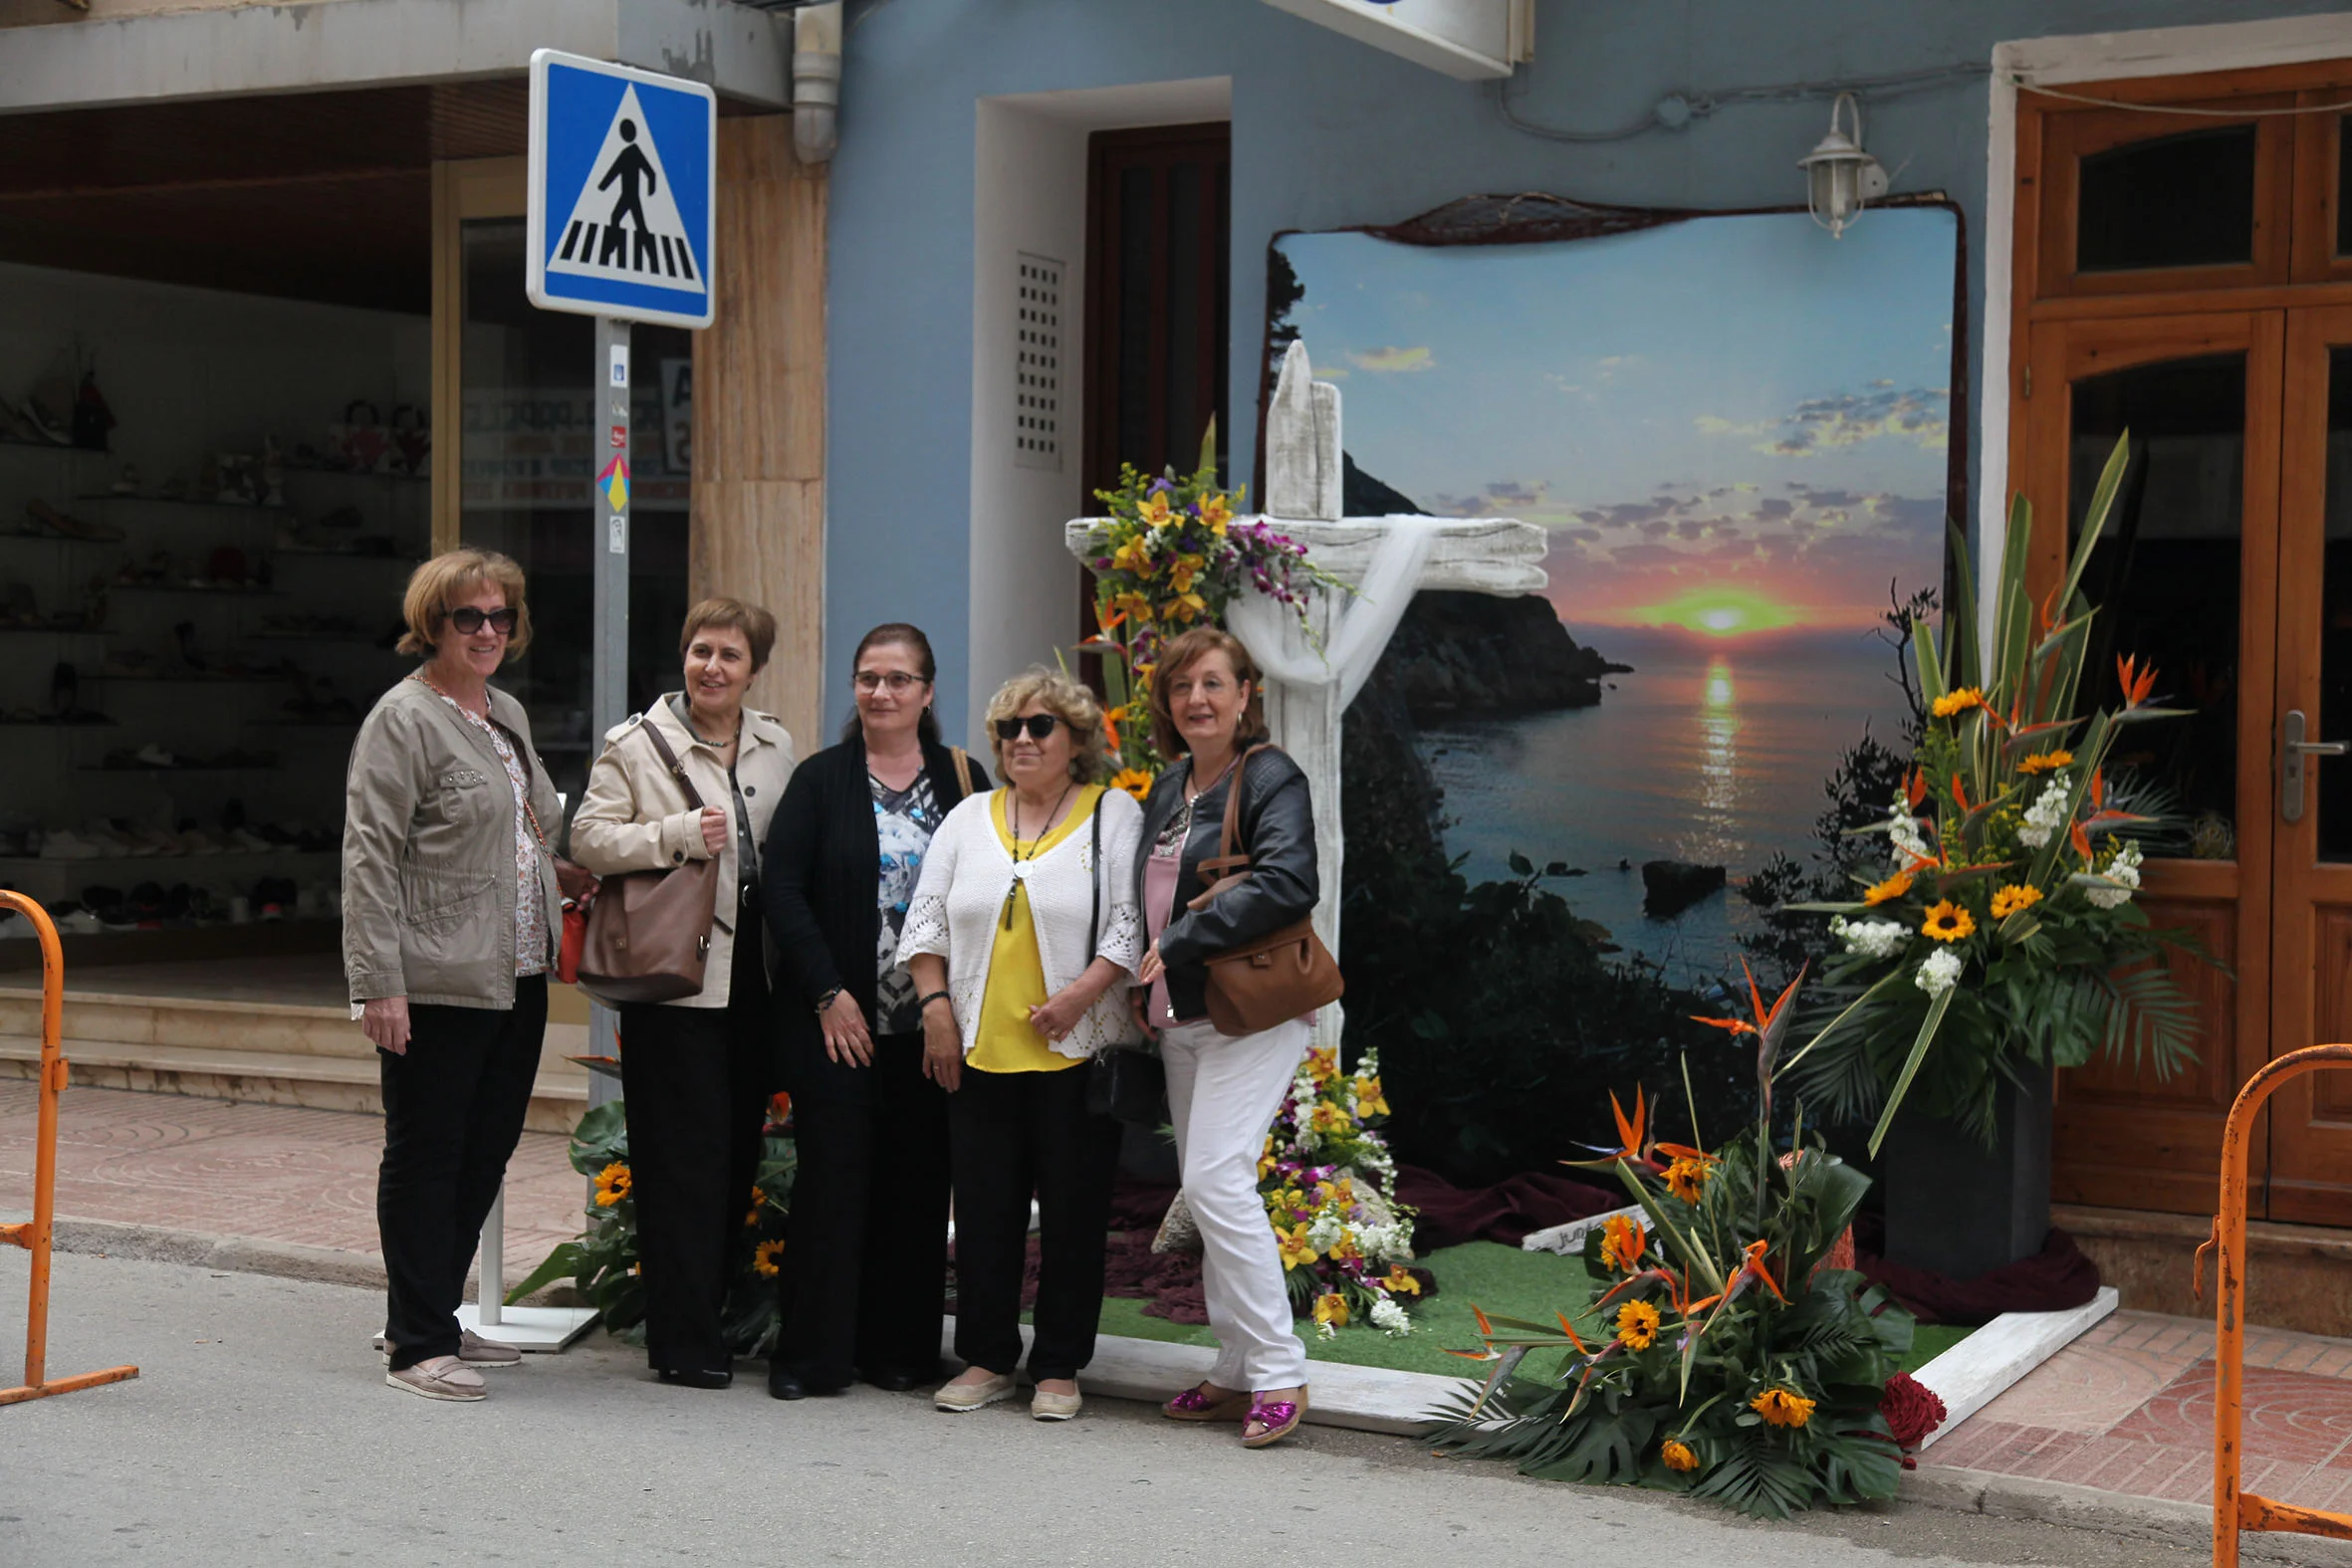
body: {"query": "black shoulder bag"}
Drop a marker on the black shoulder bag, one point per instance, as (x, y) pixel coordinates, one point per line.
(1126, 1082)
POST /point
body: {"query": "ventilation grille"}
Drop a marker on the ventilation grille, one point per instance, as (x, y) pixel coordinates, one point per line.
(1037, 408)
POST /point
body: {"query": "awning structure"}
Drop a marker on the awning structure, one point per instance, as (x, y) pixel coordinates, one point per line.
(743, 53)
(1472, 40)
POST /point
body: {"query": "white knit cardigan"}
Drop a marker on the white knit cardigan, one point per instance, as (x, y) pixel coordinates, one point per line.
(960, 902)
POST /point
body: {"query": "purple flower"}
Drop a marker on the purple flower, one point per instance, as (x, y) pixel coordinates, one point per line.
(1157, 486)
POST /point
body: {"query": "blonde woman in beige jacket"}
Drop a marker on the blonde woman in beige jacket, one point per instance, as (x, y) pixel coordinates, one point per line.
(697, 1072)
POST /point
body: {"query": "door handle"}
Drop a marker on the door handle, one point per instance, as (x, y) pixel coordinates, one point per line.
(2291, 752)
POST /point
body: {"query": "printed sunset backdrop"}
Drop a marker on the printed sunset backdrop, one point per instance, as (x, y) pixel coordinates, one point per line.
(1736, 431)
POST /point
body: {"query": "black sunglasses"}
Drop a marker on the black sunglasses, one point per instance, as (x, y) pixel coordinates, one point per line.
(467, 619)
(1039, 726)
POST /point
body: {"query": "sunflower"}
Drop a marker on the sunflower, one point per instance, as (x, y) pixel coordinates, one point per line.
(1637, 1325)
(1887, 892)
(1330, 1310)
(2046, 762)
(612, 1185)
(1135, 781)
(1678, 1456)
(1948, 922)
(1292, 1246)
(764, 1258)
(1400, 1278)
(1685, 1179)
(1960, 701)
(2013, 897)
(1780, 1407)
(1621, 1244)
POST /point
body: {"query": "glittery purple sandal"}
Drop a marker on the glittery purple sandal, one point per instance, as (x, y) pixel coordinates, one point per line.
(1277, 1418)
(1195, 1404)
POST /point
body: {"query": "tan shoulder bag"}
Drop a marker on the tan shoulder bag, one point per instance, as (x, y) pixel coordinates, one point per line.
(1278, 977)
(649, 931)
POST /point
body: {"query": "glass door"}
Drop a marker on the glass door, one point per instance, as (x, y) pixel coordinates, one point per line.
(2185, 574)
(2310, 1134)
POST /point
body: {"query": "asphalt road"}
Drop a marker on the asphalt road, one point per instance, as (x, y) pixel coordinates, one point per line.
(260, 1432)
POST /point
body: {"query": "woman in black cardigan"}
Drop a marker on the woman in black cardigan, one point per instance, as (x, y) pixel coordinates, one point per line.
(866, 1260)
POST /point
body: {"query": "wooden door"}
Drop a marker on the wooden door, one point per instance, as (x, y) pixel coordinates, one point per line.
(2311, 1133)
(2187, 573)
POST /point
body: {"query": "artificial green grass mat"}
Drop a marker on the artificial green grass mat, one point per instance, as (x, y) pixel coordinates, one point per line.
(1501, 1280)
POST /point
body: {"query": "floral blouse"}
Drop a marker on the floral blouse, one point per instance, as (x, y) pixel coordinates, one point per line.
(904, 820)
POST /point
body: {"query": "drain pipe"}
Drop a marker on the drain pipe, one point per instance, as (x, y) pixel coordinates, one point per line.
(817, 80)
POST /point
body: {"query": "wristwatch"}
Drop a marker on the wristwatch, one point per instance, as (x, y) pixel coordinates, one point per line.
(826, 1001)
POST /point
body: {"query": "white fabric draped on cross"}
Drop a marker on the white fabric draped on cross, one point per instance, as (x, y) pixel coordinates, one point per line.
(1359, 625)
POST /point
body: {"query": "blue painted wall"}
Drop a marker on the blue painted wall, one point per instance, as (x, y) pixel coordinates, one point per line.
(1326, 132)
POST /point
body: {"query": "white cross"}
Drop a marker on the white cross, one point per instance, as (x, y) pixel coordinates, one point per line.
(1386, 559)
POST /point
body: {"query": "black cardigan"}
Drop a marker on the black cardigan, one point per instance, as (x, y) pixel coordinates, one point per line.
(818, 876)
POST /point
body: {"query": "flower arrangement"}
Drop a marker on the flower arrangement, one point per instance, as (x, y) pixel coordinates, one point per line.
(1329, 1183)
(1171, 554)
(604, 1259)
(1717, 1351)
(2003, 926)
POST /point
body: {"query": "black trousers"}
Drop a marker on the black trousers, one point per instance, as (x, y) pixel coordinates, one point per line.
(865, 1256)
(695, 1083)
(1014, 1134)
(454, 1109)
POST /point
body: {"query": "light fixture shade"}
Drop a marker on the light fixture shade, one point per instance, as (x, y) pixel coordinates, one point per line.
(1841, 178)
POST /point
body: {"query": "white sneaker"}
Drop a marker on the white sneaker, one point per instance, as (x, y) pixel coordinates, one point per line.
(65, 845)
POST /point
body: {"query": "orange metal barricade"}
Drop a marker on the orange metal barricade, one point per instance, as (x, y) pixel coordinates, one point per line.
(35, 1237)
(2236, 1510)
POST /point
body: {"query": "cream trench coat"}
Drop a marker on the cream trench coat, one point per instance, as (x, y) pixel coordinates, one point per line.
(634, 817)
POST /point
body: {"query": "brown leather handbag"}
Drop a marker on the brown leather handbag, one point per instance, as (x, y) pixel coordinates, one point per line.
(1278, 977)
(649, 931)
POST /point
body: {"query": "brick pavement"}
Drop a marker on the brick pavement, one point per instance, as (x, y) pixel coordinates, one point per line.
(278, 1173)
(2128, 1408)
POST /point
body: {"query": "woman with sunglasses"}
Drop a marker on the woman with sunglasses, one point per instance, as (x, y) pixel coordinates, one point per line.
(866, 1255)
(1022, 940)
(696, 1072)
(450, 919)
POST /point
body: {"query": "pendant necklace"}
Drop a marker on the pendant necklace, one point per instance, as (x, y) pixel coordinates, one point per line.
(1020, 868)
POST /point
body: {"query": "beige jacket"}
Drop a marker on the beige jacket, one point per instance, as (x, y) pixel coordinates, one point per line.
(634, 817)
(428, 854)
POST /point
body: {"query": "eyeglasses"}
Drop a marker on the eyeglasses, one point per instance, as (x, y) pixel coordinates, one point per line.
(872, 681)
(467, 619)
(1039, 726)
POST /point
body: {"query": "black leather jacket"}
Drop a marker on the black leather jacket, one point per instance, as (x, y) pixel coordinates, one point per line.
(1277, 832)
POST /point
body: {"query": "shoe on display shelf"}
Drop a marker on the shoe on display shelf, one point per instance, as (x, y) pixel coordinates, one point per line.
(17, 425)
(48, 520)
(51, 409)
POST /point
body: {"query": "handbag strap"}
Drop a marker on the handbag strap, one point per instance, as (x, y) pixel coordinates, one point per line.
(1094, 880)
(963, 760)
(1229, 840)
(669, 759)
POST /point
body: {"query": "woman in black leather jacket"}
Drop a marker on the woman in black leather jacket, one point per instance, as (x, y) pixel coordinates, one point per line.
(1225, 1091)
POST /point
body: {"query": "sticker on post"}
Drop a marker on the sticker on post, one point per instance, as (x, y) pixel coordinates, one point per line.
(621, 365)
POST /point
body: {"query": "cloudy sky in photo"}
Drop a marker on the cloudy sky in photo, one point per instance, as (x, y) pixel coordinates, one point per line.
(1732, 424)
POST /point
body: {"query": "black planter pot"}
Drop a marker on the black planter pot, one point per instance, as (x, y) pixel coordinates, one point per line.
(1958, 1209)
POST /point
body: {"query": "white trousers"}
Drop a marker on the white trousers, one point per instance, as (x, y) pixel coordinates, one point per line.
(1225, 1093)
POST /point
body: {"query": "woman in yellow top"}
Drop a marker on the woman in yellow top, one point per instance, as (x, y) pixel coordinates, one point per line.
(1022, 939)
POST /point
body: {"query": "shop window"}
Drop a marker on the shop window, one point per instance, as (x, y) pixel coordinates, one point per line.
(532, 446)
(2183, 200)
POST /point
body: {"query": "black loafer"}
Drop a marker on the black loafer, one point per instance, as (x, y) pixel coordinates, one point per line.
(784, 1382)
(895, 1380)
(697, 1377)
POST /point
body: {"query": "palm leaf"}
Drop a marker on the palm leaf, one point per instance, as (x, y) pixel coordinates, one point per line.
(1919, 1050)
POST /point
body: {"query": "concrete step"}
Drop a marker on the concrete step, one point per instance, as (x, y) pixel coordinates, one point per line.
(269, 1053)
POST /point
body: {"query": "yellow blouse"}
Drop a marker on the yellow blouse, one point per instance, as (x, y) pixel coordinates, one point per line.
(1006, 1040)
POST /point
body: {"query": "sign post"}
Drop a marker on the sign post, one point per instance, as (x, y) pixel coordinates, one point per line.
(622, 167)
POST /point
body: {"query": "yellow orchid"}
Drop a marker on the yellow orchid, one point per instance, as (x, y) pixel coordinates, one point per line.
(1329, 1118)
(1135, 556)
(1400, 1278)
(1330, 1310)
(1344, 1248)
(1215, 514)
(1322, 1064)
(1185, 608)
(1265, 1160)
(1185, 572)
(1368, 1099)
(1341, 1191)
(1284, 1201)
(1296, 1251)
(1153, 510)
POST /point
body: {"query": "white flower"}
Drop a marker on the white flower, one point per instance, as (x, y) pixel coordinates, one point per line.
(2123, 872)
(1902, 832)
(1870, 939)
(1390, 1318)
(1938, 973)
(2048, 813)
(1327, 1331)
(1325, 1229)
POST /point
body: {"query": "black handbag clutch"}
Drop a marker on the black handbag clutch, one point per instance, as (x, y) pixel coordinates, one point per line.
(1126, 1082)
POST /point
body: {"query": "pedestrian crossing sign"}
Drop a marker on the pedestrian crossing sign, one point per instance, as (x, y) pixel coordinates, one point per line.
(621, 168)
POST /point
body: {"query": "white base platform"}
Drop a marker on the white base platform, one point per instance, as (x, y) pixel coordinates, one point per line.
(532, 1330)
(1973, 1373)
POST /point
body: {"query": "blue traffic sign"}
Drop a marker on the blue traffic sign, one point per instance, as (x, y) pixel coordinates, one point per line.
(622, 162)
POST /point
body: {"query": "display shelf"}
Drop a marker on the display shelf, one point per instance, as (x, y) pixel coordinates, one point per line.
(53, 724)
(182, 768)
(65, 448)
(322, 471)
(34, 537)
(55, 631)
(189, 588)
(181, 501)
